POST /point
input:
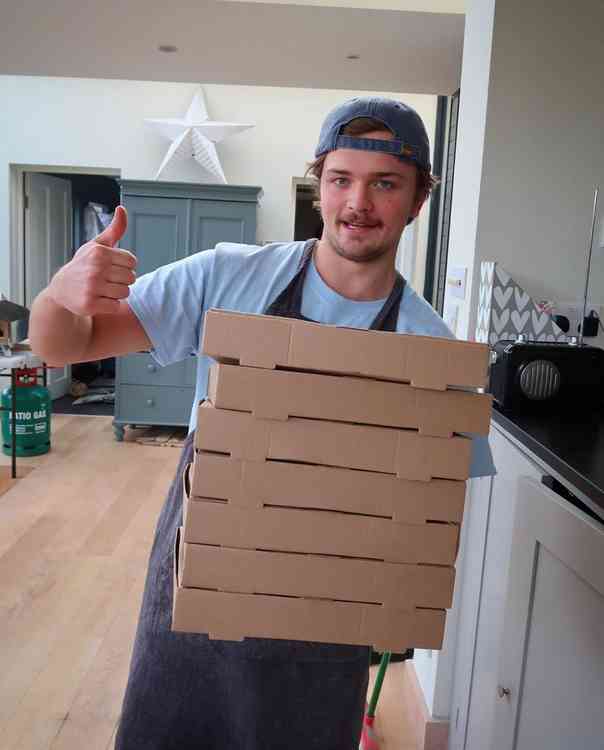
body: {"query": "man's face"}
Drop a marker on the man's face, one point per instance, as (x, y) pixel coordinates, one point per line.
(367, 198)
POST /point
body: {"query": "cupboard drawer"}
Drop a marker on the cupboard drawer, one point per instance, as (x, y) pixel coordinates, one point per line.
(142, 404)
(142, 369)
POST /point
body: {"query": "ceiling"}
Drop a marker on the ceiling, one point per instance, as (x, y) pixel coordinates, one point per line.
(282, 43)
(424, 6)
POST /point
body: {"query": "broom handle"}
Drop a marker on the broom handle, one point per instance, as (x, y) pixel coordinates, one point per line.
(378, 683)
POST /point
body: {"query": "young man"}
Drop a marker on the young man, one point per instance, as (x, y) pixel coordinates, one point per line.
(185, 691)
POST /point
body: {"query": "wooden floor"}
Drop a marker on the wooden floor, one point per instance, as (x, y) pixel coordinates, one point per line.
(75, 532)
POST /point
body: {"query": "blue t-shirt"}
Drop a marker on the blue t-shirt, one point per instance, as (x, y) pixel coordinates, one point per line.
(171, 301)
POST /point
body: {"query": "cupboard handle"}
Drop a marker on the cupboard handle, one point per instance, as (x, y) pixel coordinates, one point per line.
(503, 692)
(150, 402)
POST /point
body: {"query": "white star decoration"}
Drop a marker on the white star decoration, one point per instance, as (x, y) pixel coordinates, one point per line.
(195, 136)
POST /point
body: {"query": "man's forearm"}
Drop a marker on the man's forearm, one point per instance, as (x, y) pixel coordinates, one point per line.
(56, 334)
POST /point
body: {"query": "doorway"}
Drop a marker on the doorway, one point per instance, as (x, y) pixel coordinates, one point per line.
(307, 219)
(54, 211)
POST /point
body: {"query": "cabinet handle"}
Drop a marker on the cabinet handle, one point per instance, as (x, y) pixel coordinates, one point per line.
(151, 368)
(503, 692)
(150, 402)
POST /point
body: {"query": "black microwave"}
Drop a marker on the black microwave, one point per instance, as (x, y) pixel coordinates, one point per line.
(530, 375)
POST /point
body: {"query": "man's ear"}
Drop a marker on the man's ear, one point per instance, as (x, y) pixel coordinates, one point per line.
(416, 208)
(417, 205)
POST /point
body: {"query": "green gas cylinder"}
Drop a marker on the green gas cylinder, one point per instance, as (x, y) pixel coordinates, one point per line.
(33, 415)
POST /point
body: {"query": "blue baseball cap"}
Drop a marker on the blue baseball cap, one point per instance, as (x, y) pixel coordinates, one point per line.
(410, 142)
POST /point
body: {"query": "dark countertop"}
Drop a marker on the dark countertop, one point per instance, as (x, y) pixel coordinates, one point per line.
(570, 441)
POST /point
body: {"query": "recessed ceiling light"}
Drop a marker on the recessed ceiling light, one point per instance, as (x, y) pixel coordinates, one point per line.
(353, 57)
(167, 48)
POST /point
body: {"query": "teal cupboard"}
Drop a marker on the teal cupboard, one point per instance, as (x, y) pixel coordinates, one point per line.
(168, 221)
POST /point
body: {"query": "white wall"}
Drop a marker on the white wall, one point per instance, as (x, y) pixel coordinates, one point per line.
(470, 143)
(435, 669)
(99, 124)
(530, 151)
(543, 148)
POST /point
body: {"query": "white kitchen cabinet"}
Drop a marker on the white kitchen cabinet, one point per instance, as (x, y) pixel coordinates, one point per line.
(550, 676)
(486, 556)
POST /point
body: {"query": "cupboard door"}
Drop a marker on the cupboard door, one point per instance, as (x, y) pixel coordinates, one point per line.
(551, 669)
(221, 221)
(489, 550)
(158, 231)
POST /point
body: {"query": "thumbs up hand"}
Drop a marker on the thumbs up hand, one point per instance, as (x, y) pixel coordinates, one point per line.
(112, 234)
(99, 274)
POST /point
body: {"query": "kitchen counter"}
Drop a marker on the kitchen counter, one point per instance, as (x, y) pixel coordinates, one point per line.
(571, 442)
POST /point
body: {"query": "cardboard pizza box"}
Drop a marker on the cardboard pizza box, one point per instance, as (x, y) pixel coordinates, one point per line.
(405, 453)
(275, 342)
(253, 484)
(234, 616)
(279, 394)
(252, 571)
(283, 529)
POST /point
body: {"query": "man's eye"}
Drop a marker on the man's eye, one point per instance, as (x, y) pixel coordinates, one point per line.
(385, 184)
(340, 181)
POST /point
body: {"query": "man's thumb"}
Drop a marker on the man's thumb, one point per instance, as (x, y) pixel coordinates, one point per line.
(116, 230)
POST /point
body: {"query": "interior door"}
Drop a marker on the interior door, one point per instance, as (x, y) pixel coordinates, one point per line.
(48, 243)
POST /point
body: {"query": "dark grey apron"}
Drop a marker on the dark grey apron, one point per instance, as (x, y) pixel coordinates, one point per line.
(186, 692)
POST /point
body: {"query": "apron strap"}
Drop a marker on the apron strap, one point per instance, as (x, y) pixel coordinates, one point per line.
(387, 318)
(288, 304)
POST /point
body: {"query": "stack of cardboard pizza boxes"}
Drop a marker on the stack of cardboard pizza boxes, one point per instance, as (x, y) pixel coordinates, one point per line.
(327, 491)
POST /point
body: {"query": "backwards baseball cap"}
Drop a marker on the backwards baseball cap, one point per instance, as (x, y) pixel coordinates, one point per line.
(410, 142)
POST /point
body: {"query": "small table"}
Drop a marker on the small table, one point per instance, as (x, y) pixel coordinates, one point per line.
(18, 361)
